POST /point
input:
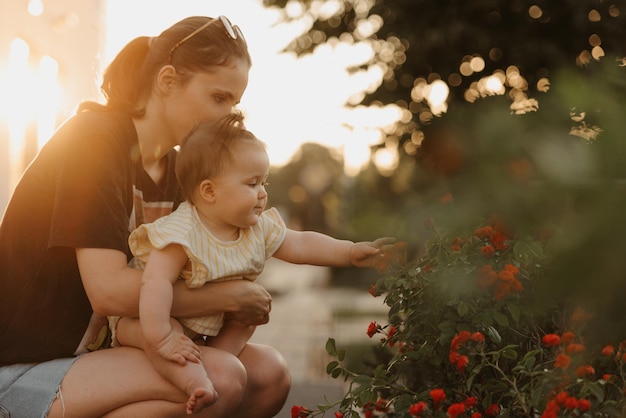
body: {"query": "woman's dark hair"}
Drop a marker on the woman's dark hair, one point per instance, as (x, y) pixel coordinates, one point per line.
(208, 150)
(129, 77)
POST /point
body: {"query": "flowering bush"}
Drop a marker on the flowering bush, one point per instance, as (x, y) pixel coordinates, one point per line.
(472, 333)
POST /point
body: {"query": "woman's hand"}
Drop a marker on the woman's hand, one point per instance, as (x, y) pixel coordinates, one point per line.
(254, 303)
(245, 301)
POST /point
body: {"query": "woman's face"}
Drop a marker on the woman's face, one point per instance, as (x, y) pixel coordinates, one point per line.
(207, 96)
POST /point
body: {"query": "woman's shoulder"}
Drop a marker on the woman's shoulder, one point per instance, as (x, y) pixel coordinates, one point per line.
(104, 122)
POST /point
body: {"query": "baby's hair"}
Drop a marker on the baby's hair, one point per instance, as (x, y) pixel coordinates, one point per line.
(209, 149)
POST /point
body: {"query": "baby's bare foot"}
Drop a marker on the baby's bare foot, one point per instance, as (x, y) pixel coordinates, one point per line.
(200, 399)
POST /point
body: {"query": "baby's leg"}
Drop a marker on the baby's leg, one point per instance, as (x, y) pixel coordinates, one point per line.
(233, 337)
(191, 377)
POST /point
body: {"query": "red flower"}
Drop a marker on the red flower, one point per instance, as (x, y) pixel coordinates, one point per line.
(562, 361)
(571, 403)
(579, 315)
(584, 405)
(446, 198)
(456, 409)
(575, 348)
(372, 329)
(501, 291)
(506, 276)
(392, 331)
(372, 291)
(476, 415)
(381, 405)
(561, 397)
(499, 240)
(487, 250)
(492, 410)
(551, 340)
(608, 351)
(582, 371)
(478, 337)
(470, 402)
(417, 408)
(484, 232)
(438, 396)
(461, 363)
(459, 339)
(299, 412)
(552, 410)
(567, 337)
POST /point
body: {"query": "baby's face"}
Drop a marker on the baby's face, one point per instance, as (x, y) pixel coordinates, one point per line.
(240, 187)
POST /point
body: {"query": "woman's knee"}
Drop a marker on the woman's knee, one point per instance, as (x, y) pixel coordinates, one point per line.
(227, 373)
(274, 370)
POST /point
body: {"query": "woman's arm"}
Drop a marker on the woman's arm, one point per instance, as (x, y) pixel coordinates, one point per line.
(113, 289)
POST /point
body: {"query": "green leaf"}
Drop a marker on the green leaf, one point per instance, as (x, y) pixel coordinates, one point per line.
(331, 366)
(462, 308)
(493, 335)
(330, 347)
(515, 311)
(501, 319)
(510, 354)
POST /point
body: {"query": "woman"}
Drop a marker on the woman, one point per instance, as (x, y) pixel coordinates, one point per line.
(64, 248)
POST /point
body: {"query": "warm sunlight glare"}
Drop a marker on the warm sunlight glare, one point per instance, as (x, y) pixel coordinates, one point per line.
(49, 98)
(15, 104)
(30, 103)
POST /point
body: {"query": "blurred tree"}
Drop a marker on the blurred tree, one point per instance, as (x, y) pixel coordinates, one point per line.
(463, 42)
(528, 123)
(496, 62)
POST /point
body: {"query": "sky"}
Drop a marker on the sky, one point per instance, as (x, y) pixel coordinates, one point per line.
(289, 101)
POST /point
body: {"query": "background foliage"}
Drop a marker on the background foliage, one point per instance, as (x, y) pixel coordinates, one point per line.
(561, 161)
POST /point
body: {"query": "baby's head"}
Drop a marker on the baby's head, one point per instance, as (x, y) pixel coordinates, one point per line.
(210, 149)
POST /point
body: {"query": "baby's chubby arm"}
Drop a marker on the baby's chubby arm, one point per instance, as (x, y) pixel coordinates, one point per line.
(314, 248)
(155, 304)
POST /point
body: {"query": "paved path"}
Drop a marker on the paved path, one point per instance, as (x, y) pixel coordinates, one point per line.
(303, 318)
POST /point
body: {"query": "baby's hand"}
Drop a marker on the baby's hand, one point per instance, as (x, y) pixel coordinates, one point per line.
(179, 348)
(367, 254)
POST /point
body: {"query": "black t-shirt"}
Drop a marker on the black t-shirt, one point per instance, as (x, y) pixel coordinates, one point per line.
(85, 189)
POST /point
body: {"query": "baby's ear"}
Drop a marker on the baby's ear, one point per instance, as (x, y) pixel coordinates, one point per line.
(207, 190)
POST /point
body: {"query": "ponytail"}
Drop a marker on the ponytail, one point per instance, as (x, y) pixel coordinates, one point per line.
(124, 81)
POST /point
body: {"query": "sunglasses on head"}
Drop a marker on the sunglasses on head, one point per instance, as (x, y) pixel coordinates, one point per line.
(232, 31)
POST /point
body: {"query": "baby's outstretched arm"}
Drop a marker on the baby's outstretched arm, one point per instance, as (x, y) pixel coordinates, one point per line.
(308, 247)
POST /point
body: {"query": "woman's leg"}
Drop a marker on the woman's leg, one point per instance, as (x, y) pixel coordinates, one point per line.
(268, 385)
(121, 382)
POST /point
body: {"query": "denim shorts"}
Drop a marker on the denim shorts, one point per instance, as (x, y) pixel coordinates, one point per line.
(27, 390)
